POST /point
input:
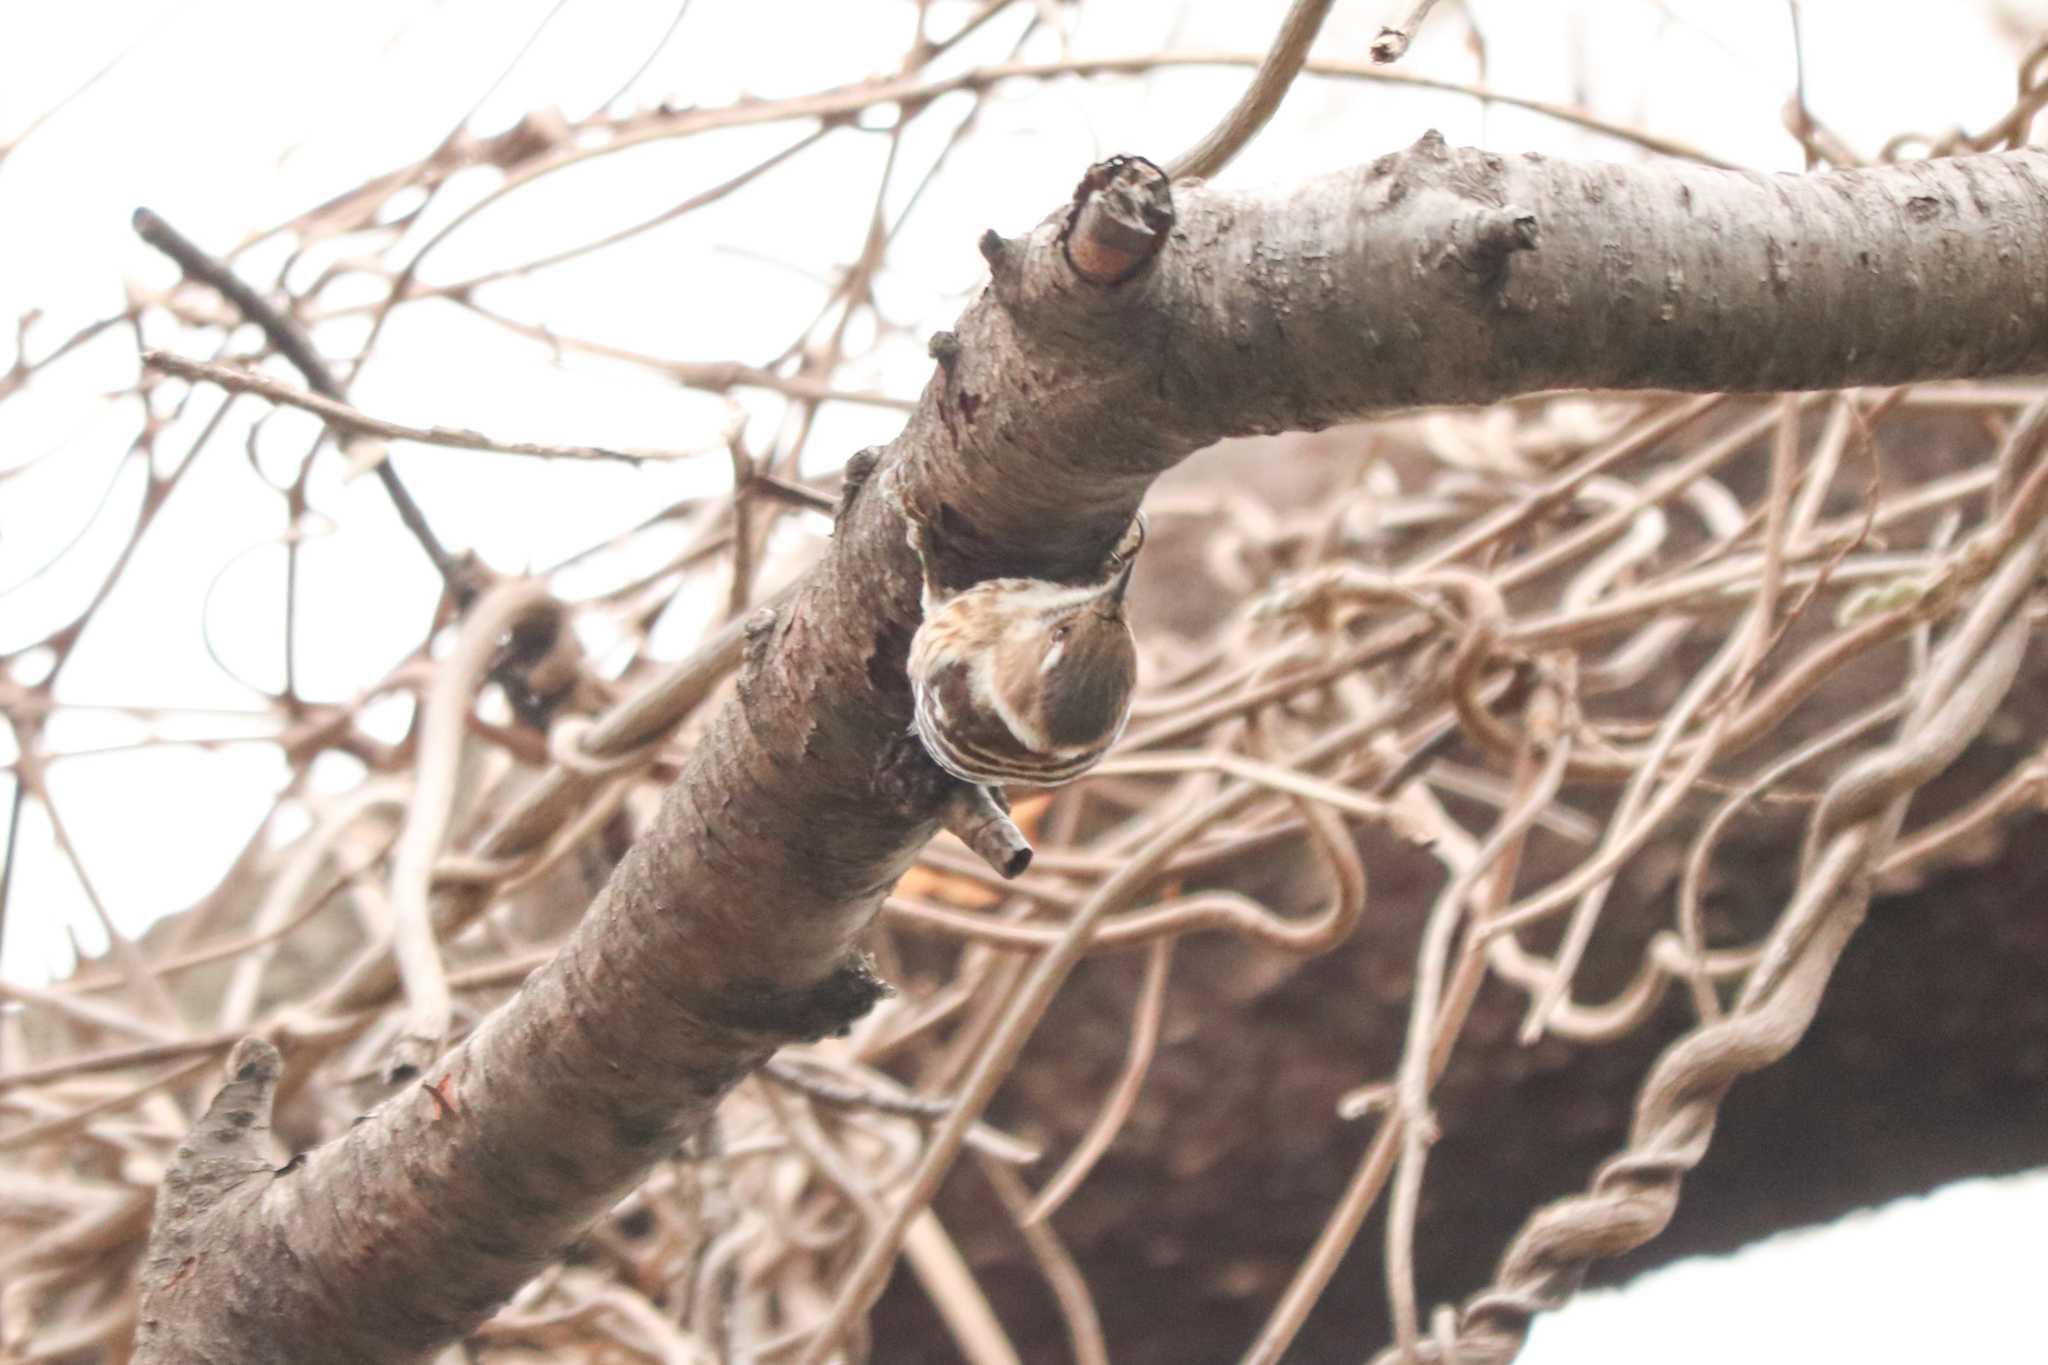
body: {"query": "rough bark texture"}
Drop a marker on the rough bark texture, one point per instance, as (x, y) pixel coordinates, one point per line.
(1431, 276)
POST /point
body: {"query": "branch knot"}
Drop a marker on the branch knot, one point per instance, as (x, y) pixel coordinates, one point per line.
(1121, 216)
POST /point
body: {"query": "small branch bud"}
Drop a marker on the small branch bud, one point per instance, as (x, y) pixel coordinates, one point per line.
(1484, 239)
(858, 467)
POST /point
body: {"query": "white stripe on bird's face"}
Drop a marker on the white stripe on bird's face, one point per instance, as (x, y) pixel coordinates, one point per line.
(993, 651)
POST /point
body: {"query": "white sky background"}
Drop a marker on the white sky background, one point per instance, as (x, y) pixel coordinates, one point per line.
(229, 116)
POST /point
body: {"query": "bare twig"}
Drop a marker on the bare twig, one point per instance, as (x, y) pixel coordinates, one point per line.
(445, 718)
(293, 344)
(340, 417)
(1123, 1096)
(1392, 43)
(1283, 62)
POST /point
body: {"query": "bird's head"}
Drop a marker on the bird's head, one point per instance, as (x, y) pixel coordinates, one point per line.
(1070, 665)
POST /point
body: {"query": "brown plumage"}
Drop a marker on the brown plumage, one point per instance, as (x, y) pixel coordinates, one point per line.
(1018, 680)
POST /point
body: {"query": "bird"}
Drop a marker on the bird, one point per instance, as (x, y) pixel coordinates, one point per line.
(1020, 680)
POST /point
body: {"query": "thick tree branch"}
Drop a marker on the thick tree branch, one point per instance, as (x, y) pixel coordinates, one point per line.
(220, 1168)
(1431, 276)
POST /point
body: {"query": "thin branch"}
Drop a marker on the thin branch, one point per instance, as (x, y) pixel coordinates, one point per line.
(1269, 85)
(1123, 1096)
(293, 344)
(647, 62)
(1392, 43)
(444, 720)
(340, 417)
(1069, 1286)
(710, 376)
(16, 798)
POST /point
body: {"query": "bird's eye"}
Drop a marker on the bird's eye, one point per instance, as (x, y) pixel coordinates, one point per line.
(1062, 632)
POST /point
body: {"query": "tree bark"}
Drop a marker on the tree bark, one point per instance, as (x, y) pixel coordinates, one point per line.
(1122, 334)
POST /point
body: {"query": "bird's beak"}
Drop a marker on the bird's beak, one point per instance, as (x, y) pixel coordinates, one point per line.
(1113, 597)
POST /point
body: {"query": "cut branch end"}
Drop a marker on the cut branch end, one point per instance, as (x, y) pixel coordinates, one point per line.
(1122, 214)
(977, 819)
